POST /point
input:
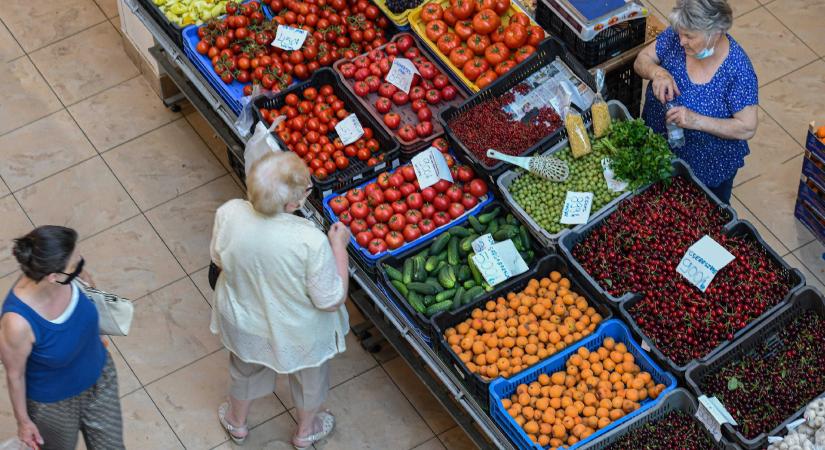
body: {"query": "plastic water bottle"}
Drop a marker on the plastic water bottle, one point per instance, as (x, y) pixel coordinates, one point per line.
(675, 135)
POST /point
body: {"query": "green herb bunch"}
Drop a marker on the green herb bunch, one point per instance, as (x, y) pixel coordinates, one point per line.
(638, 155)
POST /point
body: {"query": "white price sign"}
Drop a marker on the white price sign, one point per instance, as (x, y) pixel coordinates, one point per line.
(702, 261)
(576, 209)
(289, 38)
(713, 414)
(613, 185)
(499, 262)
(483, 243)
(401, 74)
(431, 167)
(349, 129)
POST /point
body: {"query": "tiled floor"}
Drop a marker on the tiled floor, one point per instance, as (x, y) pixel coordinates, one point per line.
(85, 142)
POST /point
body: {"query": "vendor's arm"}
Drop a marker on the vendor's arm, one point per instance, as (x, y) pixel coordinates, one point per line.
(16, 342)
(742, 126)
(648, 66)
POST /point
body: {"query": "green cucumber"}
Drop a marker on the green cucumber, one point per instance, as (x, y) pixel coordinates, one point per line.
(393, 273)
(439, 307)
(429, 300)
(525, 237)
(505, 232)
(446, 277)
(423, 254)
(422, 288)
(459, 294)
(445, 295)
(469, 284)
(472, 294)
(459, 231)
(492, 228)
(441, 264)
(477, 226)
(466, 244)
(488, 217)
(452, 251)
(474, 270)
(511, 219)
(433, 281)
(527, 256)
(431, 263)
(407, 275)
(402, 289)
(416, 302)
(464, 273)
(440, 243)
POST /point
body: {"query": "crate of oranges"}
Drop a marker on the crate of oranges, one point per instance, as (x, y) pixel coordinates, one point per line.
(580, 394)
(517, 325)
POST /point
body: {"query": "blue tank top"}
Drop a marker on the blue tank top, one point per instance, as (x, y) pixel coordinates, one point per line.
(66, 358)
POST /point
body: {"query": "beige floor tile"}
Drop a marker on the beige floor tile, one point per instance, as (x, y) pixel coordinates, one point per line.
(353, 362)
(810, 278)
(41, 149)
(739, 6)
(796, 99)
(26, 96)
(170, 330)
(109, 7)
(372, 413)
(772, 198)
(4, 190)
(36, 24)
(130, 259)
(163, 164)
(115, 21)
(189, 400)
(411, 386)
(432, 444)
(773, 50)
(745, 214)
(185, 223)
(456, 439)
(6, 283)
(769, 148)
(86, 197)
(355, 316)
(208, 135)
(126, 379)
(811, 256)
(275, 434)
(804, 18)
(9, 49)
(144, 426)
(86, 63)
(121, 113)
(13, 224)
(201, 280)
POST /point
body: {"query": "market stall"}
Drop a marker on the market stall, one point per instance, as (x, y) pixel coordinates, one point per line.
(523, 298)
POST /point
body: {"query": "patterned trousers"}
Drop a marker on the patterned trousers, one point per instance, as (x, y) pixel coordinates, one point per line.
(95, 412)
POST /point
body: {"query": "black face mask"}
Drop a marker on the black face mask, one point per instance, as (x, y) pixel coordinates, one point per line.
(71, 276)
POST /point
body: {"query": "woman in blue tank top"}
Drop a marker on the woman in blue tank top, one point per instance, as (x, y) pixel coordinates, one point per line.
(60, 377)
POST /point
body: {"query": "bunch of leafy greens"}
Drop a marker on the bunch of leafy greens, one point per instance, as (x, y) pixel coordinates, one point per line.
(638, 155)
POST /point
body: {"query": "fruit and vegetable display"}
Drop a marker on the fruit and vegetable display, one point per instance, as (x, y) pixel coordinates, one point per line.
(309, 131)
(637, 154)
(240, 44)
(511, 333)
(780, 376)
(409, 115)
(482, 40)
(673, 431)
(190, 12)
(442, 276)
(637, 249)
(391, 211)
(809, 435)
(595, 389)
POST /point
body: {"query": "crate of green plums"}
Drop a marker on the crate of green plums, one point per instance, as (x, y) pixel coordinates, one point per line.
(539, 202)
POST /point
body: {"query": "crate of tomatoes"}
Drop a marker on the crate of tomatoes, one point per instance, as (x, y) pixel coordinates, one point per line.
(389, 214)
(312, 111)
(409, 115)
(479, 41)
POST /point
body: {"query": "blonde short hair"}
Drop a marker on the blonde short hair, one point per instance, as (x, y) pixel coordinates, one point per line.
(275, 180)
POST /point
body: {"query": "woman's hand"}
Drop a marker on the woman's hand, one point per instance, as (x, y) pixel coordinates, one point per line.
(664, 86)
(683, 117)
(28, 433)
(338, 234)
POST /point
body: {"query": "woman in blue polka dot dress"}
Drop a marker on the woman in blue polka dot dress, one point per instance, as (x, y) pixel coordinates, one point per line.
(699, 67)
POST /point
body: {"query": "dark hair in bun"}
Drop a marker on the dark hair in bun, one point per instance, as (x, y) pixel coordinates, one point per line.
(44, 250)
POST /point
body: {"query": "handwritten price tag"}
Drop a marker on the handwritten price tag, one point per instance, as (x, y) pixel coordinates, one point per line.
(702, 261)
(288, 38)
(483, 243)
(576, 209)
(613, 185)
(401, 74)
(349, 129)
(713, 414)
(431, 167)
(499, 262)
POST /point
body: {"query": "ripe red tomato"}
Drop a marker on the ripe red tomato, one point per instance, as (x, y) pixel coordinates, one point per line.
(474, 68)
(428, 194)
(460, 56)
(535, 34)
(375, 197)
(363, 154)
(400, 98)
(358, 225)
(339, 204)
(386, 90)
(396, 180)
(411, 232)
(359, 210)
(419, 103)
(371, 220)
(505, 67)
(440, 203)
(400, 207)
(363, 238)
(408, 172)
(486, 79)
(383, 181)
(406, 189)
(428, 210)
(441, 218)
(392, 120)
(397, 222)
(468, 201)
(356, 195)
(432, 11)
(392, 194)
(486, 21)
(447, 43)
(463, 9)
(454, 193)
(456, 210)
(407, 133)
(478, 188)
(424, 129)
(433, 96)
(524, 52)
(415, 200)
(515, 35)
(426, 226)
(478, 43)
(383, 212)
(435, 30)
(380, 230)
(377, 246)
(405, 42)
(361, 88)
(441, 145)
(383, 105)
(394, 240)
(442, 185)
(413, 216)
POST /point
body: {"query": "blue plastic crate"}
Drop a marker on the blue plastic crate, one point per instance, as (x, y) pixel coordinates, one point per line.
(230, 93)
(503, 388)
(371, 259)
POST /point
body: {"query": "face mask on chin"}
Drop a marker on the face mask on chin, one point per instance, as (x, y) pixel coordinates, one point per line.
(706, 52)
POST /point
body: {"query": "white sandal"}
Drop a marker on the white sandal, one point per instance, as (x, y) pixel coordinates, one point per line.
(327, 425)
(232, 429)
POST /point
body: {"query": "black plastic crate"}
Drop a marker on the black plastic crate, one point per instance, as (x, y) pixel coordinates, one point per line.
(173, 31)
(237, 165)
(545, 54)
(474, 383)
(625, 85)
(807, 299)
(358, 170)
(677, 400)
(609, 43)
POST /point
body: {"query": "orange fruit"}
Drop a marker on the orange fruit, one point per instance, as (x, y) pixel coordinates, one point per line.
(820, 132)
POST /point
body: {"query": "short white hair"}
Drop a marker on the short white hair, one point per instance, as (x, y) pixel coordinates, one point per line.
(707, 16)
(276, 179)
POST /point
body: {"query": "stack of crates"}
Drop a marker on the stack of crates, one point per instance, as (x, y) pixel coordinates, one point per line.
(810, 202)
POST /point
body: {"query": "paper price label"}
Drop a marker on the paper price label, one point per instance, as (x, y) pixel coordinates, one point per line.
(499, 262)
(431, 167)
(702, 261)
(349, 129)
(713, 414)
(483, 243)
(401, 74)
(645, 346)
(613, 185)
(576, 209)
(289, 38)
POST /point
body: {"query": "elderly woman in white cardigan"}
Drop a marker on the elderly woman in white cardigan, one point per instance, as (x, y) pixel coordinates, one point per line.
(279, 300)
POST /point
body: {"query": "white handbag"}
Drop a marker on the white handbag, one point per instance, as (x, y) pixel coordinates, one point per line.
(115, 313)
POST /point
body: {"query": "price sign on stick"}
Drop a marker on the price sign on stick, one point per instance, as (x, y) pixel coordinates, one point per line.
(713, 414)
(401, 74)
(430, 167)
(289, 38)
(349, 129)
(613, 185)
(702, 261)
(576, 209)
(499, 262)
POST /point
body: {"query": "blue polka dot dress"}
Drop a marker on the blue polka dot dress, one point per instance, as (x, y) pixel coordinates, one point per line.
(733, 87)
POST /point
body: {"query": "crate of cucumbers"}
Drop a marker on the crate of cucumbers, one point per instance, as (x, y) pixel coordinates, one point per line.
(439, 275)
